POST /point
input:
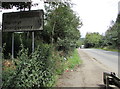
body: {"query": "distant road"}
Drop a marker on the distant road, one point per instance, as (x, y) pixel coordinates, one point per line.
(108, 58)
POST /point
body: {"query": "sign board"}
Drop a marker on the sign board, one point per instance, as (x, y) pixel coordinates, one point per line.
(23, 21)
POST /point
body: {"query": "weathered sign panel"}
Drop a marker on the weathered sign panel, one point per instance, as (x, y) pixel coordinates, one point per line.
(23, 21)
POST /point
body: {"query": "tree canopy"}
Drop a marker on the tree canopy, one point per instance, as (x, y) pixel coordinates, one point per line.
(62, 25)
(93, 39)
(111, 37)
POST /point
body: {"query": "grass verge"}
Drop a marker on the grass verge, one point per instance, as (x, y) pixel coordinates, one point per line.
(107, 49)
(73, 60)
(70, 63)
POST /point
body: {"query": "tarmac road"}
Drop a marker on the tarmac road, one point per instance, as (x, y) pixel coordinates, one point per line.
(107, 58)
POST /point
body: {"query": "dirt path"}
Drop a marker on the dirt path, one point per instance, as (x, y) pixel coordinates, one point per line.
(88, 74)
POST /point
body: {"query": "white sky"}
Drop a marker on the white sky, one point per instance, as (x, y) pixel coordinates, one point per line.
(95, 14)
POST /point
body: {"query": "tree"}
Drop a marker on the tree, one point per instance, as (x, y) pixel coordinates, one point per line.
(62, 26)
(111, 38)
(93, 40)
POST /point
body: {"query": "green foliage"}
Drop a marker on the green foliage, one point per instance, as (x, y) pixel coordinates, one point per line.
(80, 42)
(7, 73)
(62, 26)
(60, 29)
(59, 61)
(66, 62)
(111, 38)
(19, 38)
(73, 60)
(39, 69)
(33, 71)
(93, 40)
(6, 42)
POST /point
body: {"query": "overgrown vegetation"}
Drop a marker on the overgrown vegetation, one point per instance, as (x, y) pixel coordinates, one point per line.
(73, 60)
(111, 38)
(38, 69)
(63, 26)
(34, 71)
(54, 51)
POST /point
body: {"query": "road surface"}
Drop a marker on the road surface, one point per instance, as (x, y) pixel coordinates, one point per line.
(107, 58)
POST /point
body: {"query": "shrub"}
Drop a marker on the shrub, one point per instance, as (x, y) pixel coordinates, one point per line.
(8, 71)
(38, 70)
(33, 71)
(57, 57)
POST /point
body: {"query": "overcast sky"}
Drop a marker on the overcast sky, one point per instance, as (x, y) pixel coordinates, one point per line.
(96, 15)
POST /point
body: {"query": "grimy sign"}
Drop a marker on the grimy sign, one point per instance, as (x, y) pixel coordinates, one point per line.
(23, 21)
